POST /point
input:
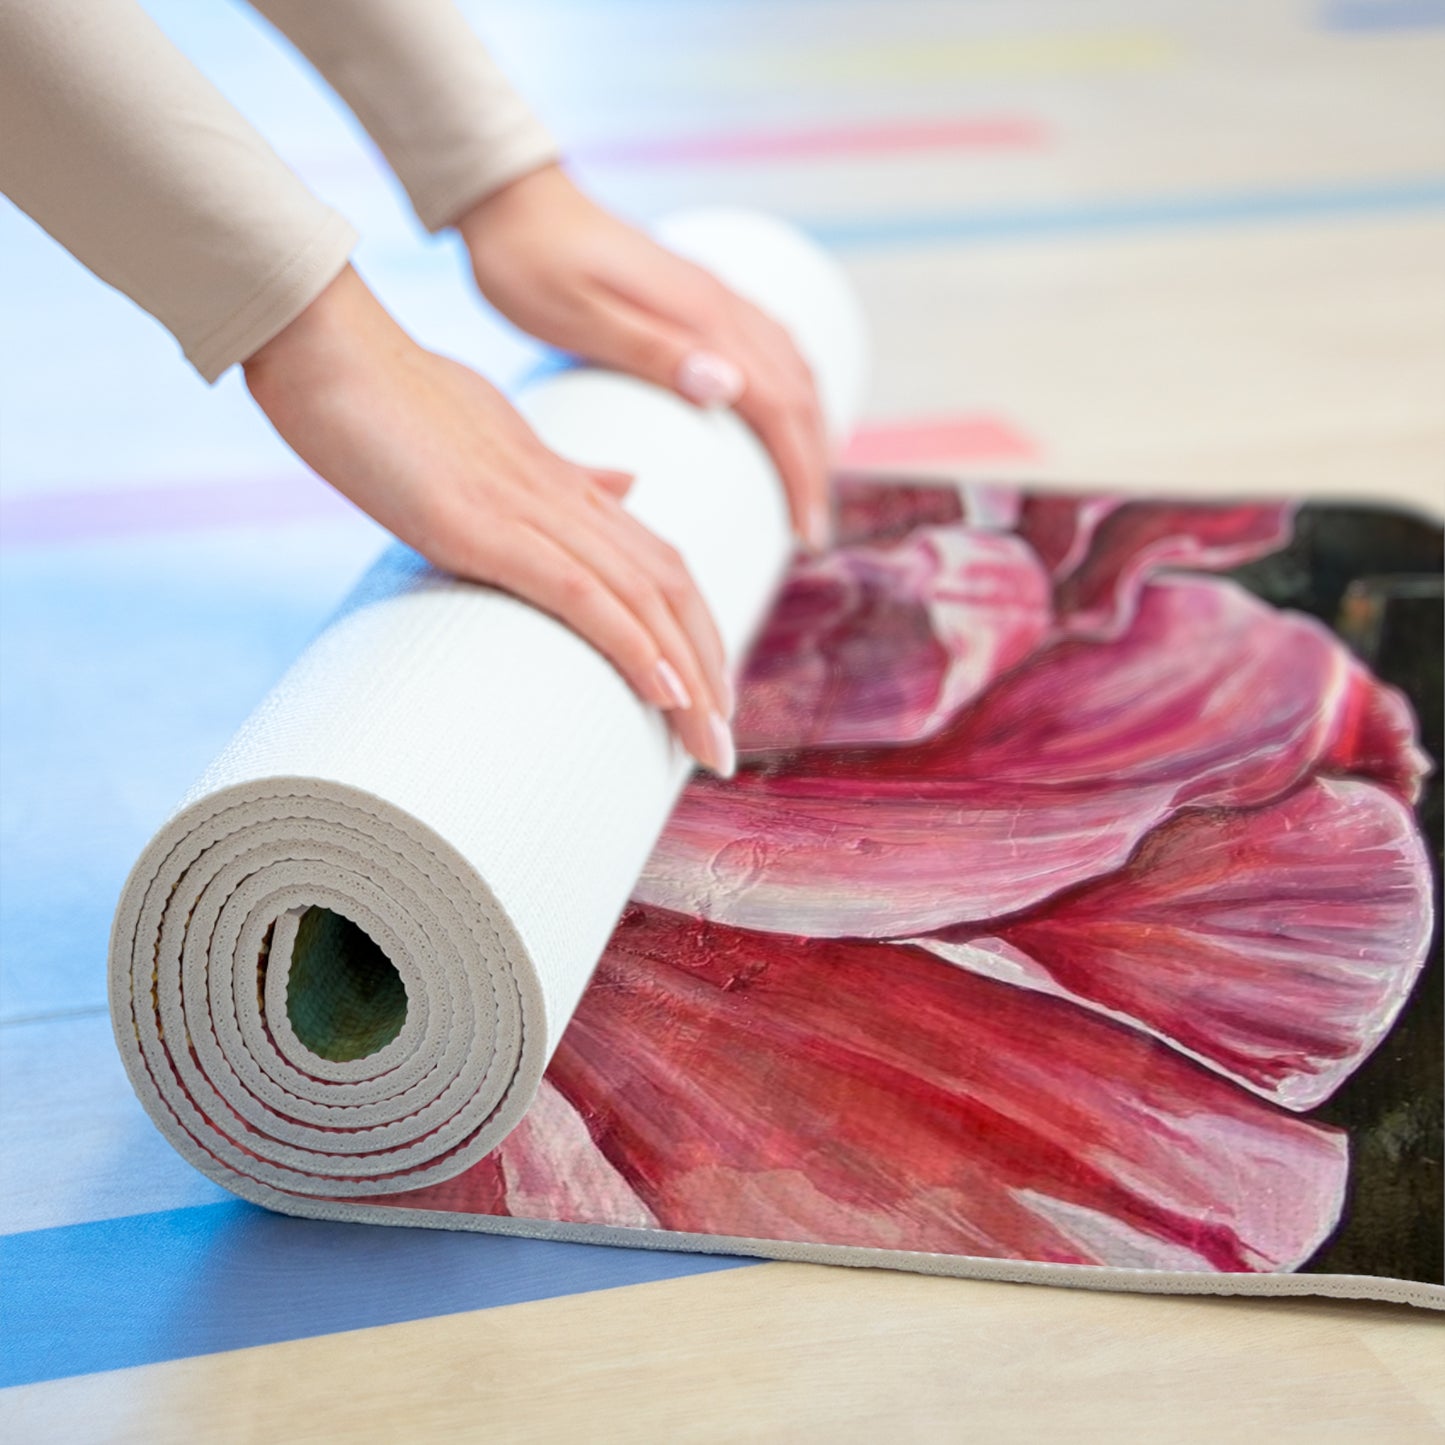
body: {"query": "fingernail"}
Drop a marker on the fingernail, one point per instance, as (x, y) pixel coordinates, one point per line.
(725, 758)
(819, 528)
(676, 695)
(729, 697)
(709, 379)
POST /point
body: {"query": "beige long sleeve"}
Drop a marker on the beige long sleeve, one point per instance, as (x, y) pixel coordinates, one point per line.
(422, 84)
(130, 158)
(114, 143)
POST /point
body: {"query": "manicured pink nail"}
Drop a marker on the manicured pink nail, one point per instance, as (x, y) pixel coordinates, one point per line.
(725, 758)
(671, 684)
(709, 379)
(729, 697)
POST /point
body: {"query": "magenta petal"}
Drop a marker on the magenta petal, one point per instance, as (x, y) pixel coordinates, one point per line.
(868, 1095)
(1052, 778)
(1376, 737)
(1277, 945)
(1129, 543)
(873, 645)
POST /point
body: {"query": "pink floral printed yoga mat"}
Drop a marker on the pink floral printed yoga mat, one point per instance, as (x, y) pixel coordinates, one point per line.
(1070, 918)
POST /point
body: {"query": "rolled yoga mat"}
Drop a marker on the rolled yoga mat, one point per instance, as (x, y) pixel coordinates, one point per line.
(341, 967)
(1069, 918)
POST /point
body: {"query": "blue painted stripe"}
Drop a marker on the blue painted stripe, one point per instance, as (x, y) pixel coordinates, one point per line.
(1150, 213)
(186, 1282)
(1373, 15)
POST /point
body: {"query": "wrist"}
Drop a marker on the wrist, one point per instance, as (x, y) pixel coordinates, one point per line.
(345, 328)
(536, 189)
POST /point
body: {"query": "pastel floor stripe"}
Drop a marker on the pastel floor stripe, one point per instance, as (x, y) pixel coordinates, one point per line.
(49, 518)
(964, 133)
(86, 515)
(937, 439)
(187, 1282)
(1368, 16)
(948, 59)
(1149, 213)
(958, 134)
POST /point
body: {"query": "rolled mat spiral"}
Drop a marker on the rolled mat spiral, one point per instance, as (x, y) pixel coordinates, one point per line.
(341, 967)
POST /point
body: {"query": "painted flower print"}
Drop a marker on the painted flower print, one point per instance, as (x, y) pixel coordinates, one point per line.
(1059, 879)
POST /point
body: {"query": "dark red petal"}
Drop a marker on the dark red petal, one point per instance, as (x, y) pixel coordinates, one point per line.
(1098, 597)
(1276, 945)
(867, 510)
(1060, 528)
(869, 1095)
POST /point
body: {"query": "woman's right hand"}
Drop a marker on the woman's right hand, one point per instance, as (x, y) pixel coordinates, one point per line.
(438, 457)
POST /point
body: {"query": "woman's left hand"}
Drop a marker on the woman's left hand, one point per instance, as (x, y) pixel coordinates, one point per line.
(570, 273)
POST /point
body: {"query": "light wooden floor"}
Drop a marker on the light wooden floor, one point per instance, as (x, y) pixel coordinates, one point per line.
(798, 1352)
(1219, 267)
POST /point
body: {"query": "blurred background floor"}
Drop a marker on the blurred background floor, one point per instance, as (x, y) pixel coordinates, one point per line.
(1169, 245)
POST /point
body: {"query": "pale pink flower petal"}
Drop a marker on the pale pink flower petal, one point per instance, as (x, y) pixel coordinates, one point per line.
(883, 644)
(546, 1168)
(553, 1170)
(869, 1095)
(1276, 945)
(1052, 778)
(993, 506)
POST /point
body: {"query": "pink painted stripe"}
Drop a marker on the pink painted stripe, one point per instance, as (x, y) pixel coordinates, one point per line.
(937, 439)
(146, 511)
(82, 516)
(812, 142)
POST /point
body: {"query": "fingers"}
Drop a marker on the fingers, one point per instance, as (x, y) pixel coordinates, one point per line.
(582, 579)
(781, 405)
(636, 340)
(737, 356)
(649, 554)
(714, 349)
(708, 379)
(615, 484)
(644, 344)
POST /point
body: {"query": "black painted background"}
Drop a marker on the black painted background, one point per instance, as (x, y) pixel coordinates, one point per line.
(1375, 577)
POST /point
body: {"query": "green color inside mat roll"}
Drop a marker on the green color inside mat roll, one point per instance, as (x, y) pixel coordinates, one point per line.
(344, 997)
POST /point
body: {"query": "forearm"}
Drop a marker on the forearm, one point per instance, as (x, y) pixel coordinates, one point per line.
(423, 85)
(114, 143)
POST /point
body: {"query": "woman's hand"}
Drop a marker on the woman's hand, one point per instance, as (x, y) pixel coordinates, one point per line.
(570, 273)
(440, 458)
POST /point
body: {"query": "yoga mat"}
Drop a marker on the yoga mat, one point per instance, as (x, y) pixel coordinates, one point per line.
(1071, 918)
(342, 966)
